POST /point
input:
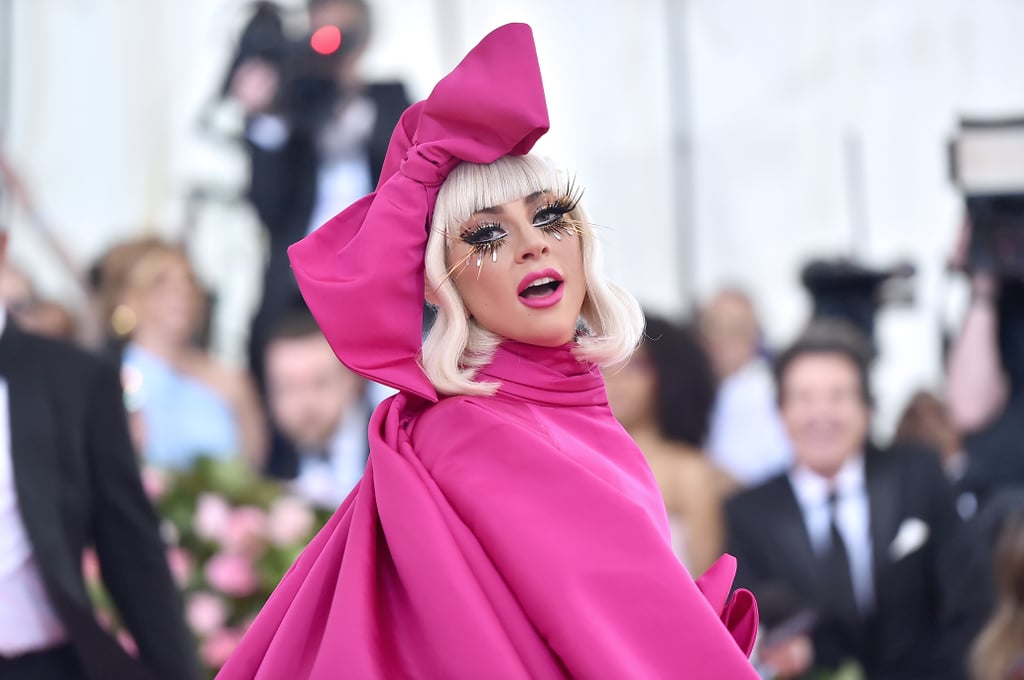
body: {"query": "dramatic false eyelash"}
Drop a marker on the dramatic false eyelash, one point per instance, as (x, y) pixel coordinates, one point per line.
(563, 204)
(566, 200)
(451, 270)
(483, 248)
(569, 226)
(574, 227)
(471, 235)
(560, 206)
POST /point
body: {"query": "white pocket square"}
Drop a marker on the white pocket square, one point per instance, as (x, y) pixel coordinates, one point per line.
(912, 535)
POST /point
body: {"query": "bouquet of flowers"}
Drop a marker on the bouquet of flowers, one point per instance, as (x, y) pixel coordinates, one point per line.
(231, 537)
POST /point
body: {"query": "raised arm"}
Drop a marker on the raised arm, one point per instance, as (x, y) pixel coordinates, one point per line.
(977, 386)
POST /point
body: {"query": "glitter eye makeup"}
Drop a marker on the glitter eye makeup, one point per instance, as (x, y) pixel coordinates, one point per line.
(551, 217)
(486, 238)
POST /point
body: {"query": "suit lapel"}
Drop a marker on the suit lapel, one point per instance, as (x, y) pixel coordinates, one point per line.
(794, 544)
(883, 500)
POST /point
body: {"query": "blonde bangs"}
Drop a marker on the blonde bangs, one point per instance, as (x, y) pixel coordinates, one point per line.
(472, 187)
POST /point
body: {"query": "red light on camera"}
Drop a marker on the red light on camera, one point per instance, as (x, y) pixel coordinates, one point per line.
(326, 40)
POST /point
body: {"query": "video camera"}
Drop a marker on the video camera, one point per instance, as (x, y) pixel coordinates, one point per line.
(845, 290)
(308, 67)
(987, 164)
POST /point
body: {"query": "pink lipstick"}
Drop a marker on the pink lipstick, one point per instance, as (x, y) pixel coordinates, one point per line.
(541, 289)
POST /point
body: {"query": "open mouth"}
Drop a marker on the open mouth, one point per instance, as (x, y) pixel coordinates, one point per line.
(541, 288)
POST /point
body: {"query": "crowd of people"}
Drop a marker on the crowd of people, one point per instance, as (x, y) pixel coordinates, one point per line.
(901, 559)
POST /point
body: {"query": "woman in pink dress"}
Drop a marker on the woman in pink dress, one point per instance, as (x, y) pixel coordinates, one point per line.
(506, 525)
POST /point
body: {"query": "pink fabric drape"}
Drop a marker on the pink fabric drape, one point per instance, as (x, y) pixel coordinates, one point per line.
(514, 536)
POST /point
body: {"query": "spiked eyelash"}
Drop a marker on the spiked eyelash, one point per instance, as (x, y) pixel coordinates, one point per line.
(560, 207)
(489, 248)
(475, 236)
(482, 245)
(565, 202)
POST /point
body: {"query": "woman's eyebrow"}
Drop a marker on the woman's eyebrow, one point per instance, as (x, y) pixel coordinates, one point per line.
(498, 210)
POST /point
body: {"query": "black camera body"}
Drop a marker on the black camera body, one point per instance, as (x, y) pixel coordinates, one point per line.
(987, 164)
(848, 291)
(309, 85)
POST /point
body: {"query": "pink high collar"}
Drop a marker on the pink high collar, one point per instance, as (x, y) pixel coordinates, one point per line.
(361, 273)
(551, 376)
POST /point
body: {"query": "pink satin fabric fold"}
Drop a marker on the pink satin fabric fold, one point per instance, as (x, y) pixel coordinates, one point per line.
(476, 546)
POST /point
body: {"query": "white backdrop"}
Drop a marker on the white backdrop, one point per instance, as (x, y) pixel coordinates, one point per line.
(721, 141)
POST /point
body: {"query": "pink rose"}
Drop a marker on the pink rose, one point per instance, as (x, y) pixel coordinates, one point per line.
(154, 481)
(291, 521)
(218, 647)
(232, 574)
(246, 531)
(91, 567)
(181, 563)
(205, 612)
(212, 515)
(127, 642)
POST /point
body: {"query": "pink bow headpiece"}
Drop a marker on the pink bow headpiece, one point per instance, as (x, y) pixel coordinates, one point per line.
(361, 273)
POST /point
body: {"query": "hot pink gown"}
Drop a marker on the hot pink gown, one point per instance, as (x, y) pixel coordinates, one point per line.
(514, 536)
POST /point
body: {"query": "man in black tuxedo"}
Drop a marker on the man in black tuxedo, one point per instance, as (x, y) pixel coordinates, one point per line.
(854, 553)
(69, 479)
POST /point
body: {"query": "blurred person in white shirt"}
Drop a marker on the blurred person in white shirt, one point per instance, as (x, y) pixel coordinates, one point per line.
(747, 438)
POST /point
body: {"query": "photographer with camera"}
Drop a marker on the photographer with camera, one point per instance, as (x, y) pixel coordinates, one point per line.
(316, 132)
(985, 383)
(985, 386)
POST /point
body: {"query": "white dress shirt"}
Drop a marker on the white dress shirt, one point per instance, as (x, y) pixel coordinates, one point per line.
(746, 437)
(853, 519)
(28, 621)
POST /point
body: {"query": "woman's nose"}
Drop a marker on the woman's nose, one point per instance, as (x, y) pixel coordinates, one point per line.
(532, 243)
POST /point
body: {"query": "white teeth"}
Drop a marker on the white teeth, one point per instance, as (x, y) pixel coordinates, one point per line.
(541, 282)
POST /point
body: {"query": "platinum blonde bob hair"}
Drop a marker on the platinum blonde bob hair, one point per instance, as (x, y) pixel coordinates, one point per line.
(456, 347)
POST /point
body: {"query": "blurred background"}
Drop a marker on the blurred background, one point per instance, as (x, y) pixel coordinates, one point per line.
(750, 165)
(722, 141)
